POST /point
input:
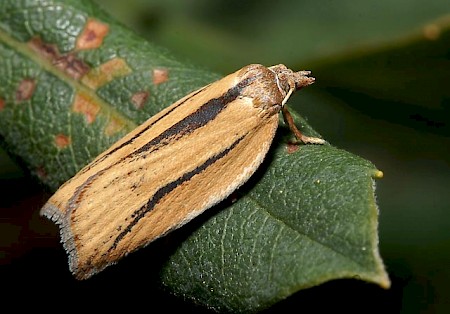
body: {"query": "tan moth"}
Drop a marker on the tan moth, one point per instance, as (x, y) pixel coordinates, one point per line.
(174, 166)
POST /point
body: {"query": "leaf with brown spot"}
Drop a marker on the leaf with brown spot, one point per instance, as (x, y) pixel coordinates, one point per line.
(307, 216)
(87, 106)
(62, 141)
(44, 50)
(106, 72)
(85, 78)
(72, 66)
(68, 63)
(25, 89)
(139, 99)
(292, 148)
(114, 126)
(92, 35)
(160, 76)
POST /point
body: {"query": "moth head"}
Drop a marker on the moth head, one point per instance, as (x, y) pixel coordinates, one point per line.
(289, 80)
(271, 87)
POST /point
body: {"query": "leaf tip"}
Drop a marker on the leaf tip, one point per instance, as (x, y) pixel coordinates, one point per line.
(385, 282)
(378, 174)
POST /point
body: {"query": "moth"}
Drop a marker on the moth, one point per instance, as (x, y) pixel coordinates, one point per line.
(180, 162)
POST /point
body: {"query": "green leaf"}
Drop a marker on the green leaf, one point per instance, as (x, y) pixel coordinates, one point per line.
(310, 218)
(306, 217)
(38, 55)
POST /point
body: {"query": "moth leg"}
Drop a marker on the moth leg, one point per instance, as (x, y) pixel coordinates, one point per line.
(299, 135)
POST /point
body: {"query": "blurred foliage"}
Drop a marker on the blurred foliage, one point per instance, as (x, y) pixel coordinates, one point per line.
(382, 70)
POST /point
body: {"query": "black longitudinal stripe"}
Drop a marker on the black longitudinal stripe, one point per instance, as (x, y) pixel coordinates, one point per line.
(202, 116)
(163, 191)
(142, 131)
(150, 125)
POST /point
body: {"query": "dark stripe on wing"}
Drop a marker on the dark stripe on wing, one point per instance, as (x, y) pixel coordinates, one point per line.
(165, 190)
(204, 114)
(201, 117)
(142, 131)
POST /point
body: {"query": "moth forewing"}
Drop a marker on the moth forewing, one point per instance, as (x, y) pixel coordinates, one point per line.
(170, 169)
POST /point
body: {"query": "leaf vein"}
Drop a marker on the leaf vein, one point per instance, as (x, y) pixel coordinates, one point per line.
(272, 216)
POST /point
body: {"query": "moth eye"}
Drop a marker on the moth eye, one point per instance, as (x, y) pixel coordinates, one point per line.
(283, 79)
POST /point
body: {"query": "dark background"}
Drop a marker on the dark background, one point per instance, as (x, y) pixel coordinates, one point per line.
(382, 92)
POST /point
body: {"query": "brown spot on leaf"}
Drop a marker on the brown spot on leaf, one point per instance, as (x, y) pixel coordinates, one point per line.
(106, 72)
(139, 99)
(68, 63)
(160, 75)
(47, 51)
(41, 172)
(62, 140)
(2, 104)
(92, 36)
(72, 66)
(25, 89)
(114, 126)
(85, 105)
(292, 148)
